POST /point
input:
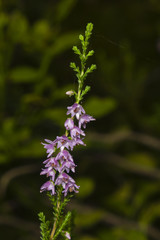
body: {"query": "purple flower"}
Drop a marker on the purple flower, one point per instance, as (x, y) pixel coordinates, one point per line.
(69, 124)
(76, 132)
(70, 187)
(50, 146)
(77, 141)
(49, 172)
(64, 155)
(66, 161)
(75, 110)
(52, 162)
(62, 179)
(67, 166)
(63, 142)
(63, 163)
(67, 183)
(48, 186)
(85, 119)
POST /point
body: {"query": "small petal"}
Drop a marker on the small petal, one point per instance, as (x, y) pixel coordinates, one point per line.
(69, 124)
(67, 235)
(50, 146)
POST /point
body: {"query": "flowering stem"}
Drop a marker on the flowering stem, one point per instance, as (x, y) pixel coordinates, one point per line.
(57, 167)
(55, 222)
(67, 217)
(53, 230)
(80, 85)
(57, 215)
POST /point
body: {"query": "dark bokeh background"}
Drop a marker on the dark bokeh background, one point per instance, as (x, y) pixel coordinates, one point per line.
(118, 171)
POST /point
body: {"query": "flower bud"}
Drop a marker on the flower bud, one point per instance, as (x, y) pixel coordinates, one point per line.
(70, 93)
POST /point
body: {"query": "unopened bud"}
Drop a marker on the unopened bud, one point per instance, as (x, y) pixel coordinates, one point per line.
(67, 235)
(70, 93)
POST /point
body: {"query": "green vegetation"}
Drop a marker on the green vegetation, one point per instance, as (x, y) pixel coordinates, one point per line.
(119, 171)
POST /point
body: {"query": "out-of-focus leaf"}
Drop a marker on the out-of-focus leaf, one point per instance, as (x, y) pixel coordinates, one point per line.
(8, 126)
(118, 233)
(3, 19)
(143, 194)
(143, 159)
(88, 218)
(61, 44)
(3, 158)
(24, 74)
(150, 213)
(58, 115)
(34, 149)
(18, 28)
(60, 92)
(32, 98)
(99, 107)
(48, 84)
(86, 237)
(41, 34)
(120, 199)
(64, 7)
(86, 187)
(42, 29)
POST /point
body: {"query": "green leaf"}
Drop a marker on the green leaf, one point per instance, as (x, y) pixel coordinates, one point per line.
(81, 38)
(24, 74)
(90, 53)
(92, 68)
(75, 68)
(85, 91)
(63, 224)
(89, 70)
(76, 50)
(44, 227)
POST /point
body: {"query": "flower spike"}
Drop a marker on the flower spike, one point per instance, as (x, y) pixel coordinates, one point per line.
(59, 163)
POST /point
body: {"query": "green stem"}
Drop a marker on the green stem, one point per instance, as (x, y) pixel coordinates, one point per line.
(80, 81)
(55, 222)
(54, 225)
(67, 217)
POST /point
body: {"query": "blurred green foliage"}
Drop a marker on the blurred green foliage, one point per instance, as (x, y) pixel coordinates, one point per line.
(118, 171)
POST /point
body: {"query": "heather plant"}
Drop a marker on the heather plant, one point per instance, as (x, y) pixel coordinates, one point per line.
(59, 164)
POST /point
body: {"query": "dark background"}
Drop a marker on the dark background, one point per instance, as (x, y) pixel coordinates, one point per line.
(118, 171)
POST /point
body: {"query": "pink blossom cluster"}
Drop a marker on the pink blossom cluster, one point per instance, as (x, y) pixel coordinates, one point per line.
(58, 167)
